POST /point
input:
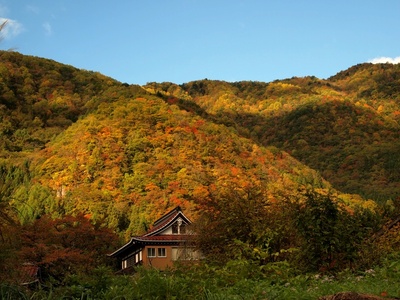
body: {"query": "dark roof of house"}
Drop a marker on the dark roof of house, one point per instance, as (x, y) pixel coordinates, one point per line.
(164, 237)
(167, 215)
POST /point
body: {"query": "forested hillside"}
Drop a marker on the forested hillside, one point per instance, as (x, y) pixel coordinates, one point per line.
(41, 98)
(87, 144)
(122, 153)
(346, 127)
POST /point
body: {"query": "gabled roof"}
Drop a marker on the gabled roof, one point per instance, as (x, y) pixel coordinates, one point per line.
(166, 221)
(152, 236)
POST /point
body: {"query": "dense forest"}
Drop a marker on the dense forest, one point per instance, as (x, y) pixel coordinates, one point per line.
(300, 172)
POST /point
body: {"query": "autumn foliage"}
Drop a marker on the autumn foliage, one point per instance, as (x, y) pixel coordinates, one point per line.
(61, 247)
(238, 157)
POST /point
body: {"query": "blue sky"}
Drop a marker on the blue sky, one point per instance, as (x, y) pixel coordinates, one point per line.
(140, 41)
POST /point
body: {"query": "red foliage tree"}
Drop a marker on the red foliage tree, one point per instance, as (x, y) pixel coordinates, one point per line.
(70, 245)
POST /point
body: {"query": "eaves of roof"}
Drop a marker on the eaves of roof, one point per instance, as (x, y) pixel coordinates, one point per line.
(141, 241)
(163, 238)
(124, 247)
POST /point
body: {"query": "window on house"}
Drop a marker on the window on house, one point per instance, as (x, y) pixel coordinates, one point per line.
(151, 252)
(161, 252)
(175, 228)
(132, 260)
(178, 227)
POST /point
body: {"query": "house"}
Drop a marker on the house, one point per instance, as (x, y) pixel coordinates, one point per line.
(169, 240)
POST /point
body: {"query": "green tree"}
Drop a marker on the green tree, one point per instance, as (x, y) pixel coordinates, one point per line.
(316, 223)
(11, 177)
(332, 236)
(235, 214)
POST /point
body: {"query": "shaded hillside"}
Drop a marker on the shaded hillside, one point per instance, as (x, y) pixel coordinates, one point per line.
(353, 147)
(363, 126)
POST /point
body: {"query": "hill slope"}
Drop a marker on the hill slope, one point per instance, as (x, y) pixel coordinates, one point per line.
(118, 153)
(40, 98)
(346, 127)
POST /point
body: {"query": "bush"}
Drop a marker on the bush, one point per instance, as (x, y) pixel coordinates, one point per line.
(332, 236)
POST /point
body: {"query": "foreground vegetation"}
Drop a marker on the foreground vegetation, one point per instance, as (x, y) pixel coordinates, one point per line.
(236, 280)
(305, 248)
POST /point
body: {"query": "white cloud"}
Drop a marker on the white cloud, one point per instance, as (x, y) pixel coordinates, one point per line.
(11, 29)
(47, 28)
(382, 60)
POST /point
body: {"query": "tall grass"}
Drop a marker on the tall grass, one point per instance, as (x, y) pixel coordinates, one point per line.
(211, 283)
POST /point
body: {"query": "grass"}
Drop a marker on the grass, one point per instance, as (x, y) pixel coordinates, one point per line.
(210, 283)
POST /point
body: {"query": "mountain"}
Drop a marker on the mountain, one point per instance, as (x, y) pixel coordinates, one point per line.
(345, 127)
(75, 141)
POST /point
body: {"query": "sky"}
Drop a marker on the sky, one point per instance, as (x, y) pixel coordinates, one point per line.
(141, 41)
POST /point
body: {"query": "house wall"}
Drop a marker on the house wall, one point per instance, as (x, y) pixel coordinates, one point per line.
(157, 261)
(172, 254)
